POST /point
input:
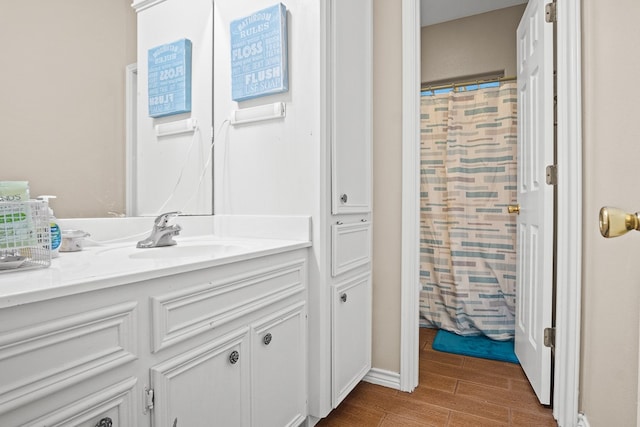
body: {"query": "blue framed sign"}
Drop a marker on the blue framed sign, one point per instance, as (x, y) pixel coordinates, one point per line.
(170, 78)
(259, 54)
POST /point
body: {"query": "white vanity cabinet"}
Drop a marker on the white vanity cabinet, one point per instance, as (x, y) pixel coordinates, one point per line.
(68, 362)
(219, 346)
(253, 376)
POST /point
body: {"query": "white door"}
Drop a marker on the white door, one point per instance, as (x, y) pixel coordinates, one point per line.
(534, 284)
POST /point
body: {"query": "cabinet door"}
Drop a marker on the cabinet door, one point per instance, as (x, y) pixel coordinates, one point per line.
(279, 384)
(351, 335)
(113, 405)
(205, 387)
(351, 100)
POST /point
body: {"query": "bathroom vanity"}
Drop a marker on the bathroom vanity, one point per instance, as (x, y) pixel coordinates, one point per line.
(215, 330)
(173, 336)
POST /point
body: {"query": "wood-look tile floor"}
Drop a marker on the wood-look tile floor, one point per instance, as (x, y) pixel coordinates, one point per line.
(453, 391)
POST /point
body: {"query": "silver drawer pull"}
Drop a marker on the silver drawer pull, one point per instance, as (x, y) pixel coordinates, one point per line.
(343, 297)
(233, 357)
(105, 422)
(267, 339)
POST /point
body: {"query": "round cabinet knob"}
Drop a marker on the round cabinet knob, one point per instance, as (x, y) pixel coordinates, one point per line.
(267, 339)
(343, 297)
(234, 357)
(105, 422)
(343, 198)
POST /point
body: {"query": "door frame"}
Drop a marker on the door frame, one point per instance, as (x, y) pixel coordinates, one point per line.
(131, 114)
(569, 207)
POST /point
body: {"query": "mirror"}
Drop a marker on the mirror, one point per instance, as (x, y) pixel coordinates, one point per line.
(63, 101)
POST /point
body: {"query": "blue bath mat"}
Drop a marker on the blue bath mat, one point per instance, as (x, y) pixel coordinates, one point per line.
(476, 346)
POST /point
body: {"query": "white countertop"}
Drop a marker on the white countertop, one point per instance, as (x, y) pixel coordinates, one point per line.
(98, 267)
(113, 264)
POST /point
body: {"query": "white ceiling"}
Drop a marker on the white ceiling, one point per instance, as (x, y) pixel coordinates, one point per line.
(436, 11)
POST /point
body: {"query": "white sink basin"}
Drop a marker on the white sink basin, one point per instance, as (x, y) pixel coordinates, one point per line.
(190, 250)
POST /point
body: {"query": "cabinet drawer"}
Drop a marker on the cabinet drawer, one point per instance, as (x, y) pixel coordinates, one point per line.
(351, 246)
(115, 403)
(188, 312)
(40, 359)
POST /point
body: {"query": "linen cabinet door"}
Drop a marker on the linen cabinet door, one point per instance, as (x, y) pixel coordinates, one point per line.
(351, 334)
(204, 387)
(351, 59)
(279, 379)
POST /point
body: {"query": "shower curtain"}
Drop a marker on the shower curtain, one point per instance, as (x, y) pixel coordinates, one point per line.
(467, 241)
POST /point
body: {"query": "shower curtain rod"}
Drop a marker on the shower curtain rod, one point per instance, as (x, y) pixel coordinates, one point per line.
(466, 83)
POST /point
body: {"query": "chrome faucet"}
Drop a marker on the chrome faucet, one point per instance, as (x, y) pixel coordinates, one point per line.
(162, 234)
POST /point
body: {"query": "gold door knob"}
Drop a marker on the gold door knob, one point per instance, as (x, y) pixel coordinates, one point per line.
(514, 209)
(615, 222)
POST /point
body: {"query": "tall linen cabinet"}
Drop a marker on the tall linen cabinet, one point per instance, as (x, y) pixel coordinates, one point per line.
(314, 161)
(349, 131)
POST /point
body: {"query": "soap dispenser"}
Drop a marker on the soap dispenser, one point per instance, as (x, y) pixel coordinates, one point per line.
(56, 234)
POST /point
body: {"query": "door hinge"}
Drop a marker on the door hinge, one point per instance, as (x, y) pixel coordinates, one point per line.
(148, 399)
(550, 337)
(550, 14)
(552, 175)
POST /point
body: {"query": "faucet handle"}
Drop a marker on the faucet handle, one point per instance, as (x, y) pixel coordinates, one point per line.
(162, 219)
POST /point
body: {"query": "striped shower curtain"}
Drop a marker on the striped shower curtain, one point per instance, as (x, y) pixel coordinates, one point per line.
(467, 240)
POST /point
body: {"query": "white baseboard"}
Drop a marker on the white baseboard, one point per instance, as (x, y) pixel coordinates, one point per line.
(310, 421)
(383, 378)
(582, 420)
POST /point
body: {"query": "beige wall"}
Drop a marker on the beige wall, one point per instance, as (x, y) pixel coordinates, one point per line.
(387, 182)
(63, 104)
(470, 46)
(387, 139)
(611, 268)
(611, 271)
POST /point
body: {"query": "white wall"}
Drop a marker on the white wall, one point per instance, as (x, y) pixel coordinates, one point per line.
(162, 160)
(269, 167)
(274, 167)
